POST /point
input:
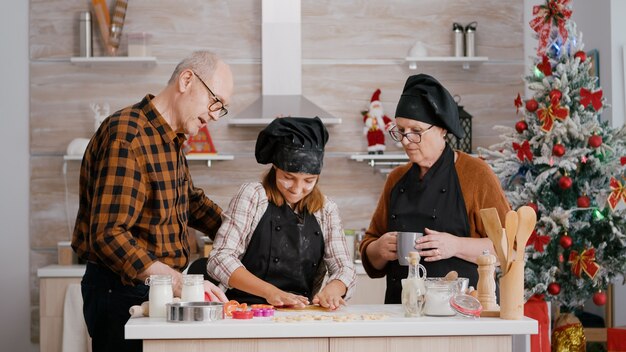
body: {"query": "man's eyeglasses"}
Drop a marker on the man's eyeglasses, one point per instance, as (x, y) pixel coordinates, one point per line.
(217, 104)
(413, 137)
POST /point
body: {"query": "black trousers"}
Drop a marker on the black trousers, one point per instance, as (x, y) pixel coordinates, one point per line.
(105, 307)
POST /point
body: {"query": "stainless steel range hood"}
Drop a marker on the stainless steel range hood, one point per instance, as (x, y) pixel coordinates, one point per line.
(281, 60)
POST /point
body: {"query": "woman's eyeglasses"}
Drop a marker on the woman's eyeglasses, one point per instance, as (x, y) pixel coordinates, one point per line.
(413, 137)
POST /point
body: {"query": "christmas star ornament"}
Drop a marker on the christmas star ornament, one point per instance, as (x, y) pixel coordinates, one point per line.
(518, 103)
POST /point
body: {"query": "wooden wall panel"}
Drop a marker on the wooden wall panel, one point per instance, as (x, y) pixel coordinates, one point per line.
(350, 48)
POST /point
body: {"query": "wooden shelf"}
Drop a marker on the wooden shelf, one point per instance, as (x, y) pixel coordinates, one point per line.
(265, 121)
(191, 157)
(463, 60)
(209, 157)
(113, 60)
(388, 161)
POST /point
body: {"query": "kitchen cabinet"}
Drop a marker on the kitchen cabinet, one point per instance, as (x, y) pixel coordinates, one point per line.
(53, 283)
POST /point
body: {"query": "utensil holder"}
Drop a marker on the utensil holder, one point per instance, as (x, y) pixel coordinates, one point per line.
(512, 292)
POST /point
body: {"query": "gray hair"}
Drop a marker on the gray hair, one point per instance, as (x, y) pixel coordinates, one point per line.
(204, 63)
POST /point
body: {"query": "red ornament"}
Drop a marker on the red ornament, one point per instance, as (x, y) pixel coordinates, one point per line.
(595, 141)
(565, 182)
(531, 105)
(558, 150)
(599, 298)
(565, 241)
(534, 206)
(554, 289)
(583, 201)
(581, 55)
(521, 126)
(622, 160)
(555, 94)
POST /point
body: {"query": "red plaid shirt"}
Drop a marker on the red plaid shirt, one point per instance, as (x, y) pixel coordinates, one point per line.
(136, 195)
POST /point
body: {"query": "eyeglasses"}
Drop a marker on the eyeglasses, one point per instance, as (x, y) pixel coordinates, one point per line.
(413, 137)
(217, 104)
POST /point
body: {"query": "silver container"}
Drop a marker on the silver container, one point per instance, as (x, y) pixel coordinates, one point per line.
(85, 34)
(470, 39)
(190, 312)
(457, 38)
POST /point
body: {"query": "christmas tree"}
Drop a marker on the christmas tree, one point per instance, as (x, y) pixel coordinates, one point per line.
(567, 164)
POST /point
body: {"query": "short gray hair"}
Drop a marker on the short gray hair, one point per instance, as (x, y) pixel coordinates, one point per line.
(203, 63)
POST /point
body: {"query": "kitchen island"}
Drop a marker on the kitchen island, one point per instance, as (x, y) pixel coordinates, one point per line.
(393, 332)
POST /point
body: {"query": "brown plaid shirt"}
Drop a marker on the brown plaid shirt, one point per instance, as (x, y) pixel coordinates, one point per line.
(137, 197)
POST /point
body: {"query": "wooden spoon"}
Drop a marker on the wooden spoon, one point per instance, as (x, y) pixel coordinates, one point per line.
(527, 221)
(491, 221)
(510, 224)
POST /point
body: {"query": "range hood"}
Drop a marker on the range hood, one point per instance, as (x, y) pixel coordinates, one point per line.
(281, 66)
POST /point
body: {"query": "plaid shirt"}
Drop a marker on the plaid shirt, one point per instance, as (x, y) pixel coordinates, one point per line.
(137, 197)
(241, 219)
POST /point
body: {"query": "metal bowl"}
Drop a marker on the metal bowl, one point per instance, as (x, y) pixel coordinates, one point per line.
(189, 312)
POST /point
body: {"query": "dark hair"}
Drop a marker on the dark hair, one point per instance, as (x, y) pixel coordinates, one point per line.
(311, 203)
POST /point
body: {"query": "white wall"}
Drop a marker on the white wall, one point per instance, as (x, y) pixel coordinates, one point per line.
(618, 42)
(14, 157)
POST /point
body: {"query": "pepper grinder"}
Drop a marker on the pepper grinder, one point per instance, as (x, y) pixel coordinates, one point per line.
(486, 281)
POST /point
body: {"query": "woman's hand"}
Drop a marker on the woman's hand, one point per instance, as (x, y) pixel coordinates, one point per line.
(385, 246)
(382, 250)
(278, 297)
(214, 292)
(331, 295)
(437, 245)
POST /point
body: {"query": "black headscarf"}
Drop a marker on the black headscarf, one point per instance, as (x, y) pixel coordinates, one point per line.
(293, 144)
(425, 99)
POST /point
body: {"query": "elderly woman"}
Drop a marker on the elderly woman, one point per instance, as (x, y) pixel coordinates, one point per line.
(281, 236)
(439, 193)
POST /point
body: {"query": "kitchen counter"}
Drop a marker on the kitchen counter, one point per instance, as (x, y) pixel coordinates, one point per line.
(436, 333)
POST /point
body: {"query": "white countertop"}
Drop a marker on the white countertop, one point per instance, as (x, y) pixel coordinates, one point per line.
(395, 325)
(61, 271)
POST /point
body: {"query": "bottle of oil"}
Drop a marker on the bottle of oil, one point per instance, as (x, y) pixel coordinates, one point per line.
(413, 287)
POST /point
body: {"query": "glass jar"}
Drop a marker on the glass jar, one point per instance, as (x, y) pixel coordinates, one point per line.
(193, 288)
(438, 294)
(161, 293)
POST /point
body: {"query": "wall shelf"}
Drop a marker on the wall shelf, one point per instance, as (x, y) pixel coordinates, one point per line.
(190, 157)
(463, 60)
(113, 60)
(261, 121)
(388, 161)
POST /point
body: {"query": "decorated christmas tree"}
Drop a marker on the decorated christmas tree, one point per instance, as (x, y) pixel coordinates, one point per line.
(568, 164)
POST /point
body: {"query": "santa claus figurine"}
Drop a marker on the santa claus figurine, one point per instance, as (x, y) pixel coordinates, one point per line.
(376, 124)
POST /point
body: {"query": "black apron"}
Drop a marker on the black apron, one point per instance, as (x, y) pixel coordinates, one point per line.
(285, 250)
(434, 202)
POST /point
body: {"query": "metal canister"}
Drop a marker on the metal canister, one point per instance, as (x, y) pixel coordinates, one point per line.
(85, 37)
(470, 39)
(457, 39)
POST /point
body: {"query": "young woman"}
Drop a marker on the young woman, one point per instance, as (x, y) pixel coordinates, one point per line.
(280, 237)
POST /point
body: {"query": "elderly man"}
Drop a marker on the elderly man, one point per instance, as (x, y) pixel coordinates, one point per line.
(137, 198)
